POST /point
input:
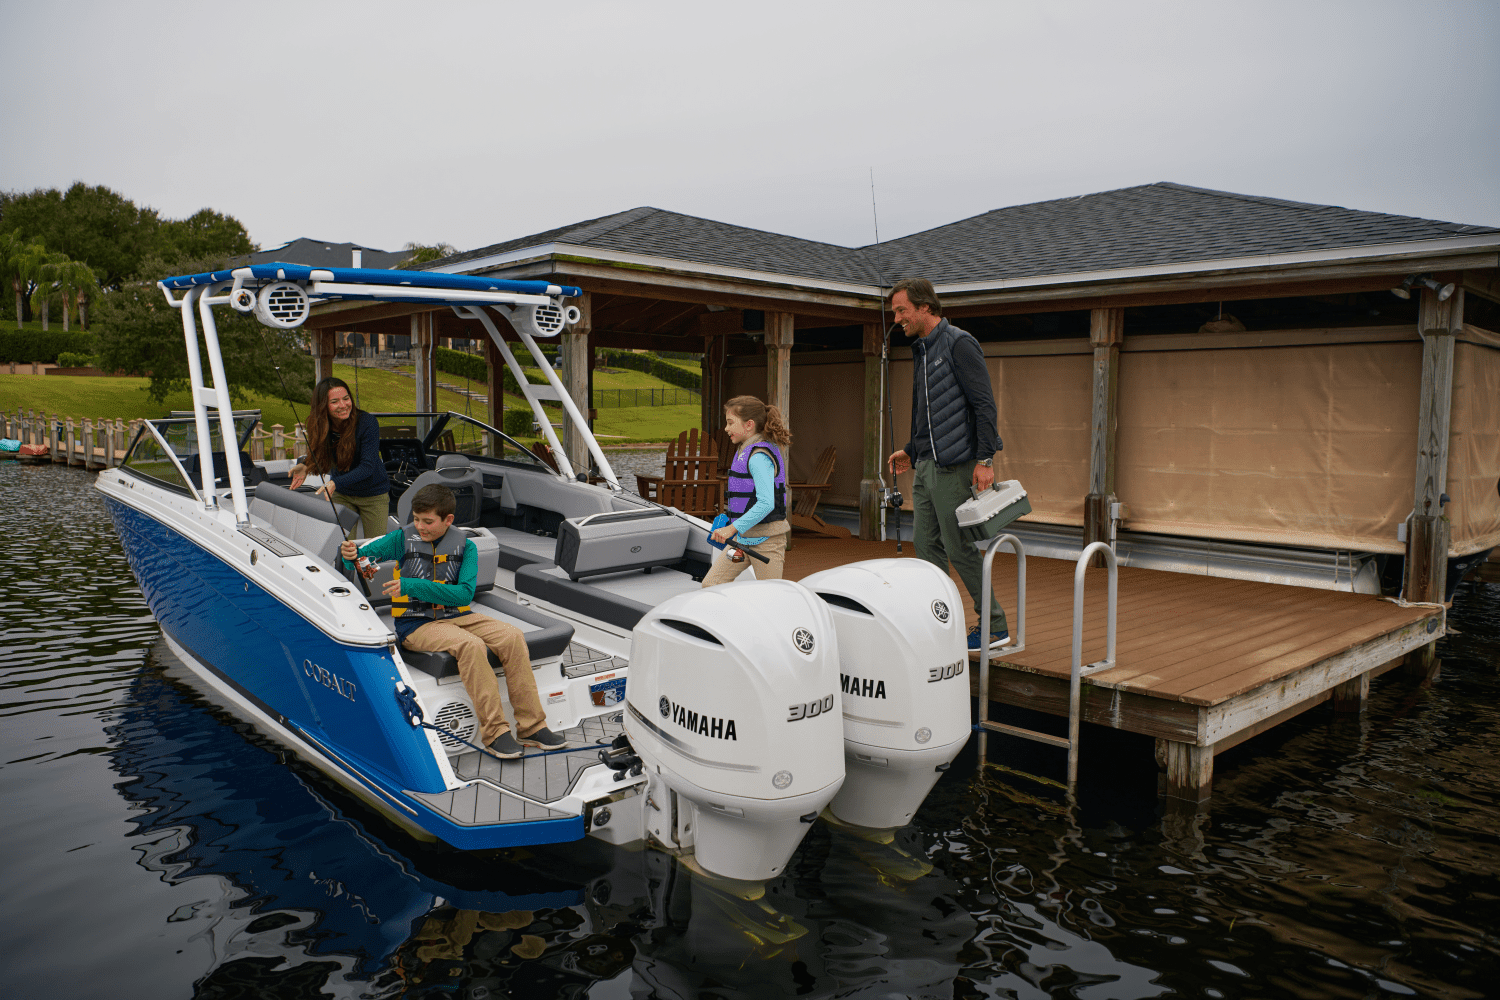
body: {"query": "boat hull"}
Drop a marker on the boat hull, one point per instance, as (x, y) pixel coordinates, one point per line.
(333, 702)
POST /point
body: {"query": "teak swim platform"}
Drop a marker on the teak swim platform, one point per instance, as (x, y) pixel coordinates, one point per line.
(1203, 663)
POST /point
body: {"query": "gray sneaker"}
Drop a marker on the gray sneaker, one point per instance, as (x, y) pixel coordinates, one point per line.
(505, 747)
(546, 739)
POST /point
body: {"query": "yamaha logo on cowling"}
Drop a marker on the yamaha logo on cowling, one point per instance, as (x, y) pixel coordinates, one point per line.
(803, 640)
(693, 722)
(940, 611)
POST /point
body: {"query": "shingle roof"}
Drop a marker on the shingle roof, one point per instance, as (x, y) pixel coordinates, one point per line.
(1151, 224)
(1160, 223)
(661, 233)
(317, 253)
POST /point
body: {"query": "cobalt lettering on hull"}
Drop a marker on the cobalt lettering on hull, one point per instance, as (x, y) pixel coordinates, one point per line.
(864, 687)
(329, 679)
(703, 725)
(935, 674)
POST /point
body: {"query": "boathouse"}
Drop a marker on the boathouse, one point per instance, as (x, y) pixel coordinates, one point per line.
(1173, 365)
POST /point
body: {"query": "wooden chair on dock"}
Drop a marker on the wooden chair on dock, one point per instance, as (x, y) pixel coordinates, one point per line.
(805, 497)
(543, 451)
(691, 478)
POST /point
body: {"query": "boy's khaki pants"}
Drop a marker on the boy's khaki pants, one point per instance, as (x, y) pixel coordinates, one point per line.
(467, 637)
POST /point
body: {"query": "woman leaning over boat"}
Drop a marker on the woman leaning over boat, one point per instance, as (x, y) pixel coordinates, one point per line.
(757, 494)
(343, 445)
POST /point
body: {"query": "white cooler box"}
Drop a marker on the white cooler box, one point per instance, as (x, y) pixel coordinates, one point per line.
(986, 514)
(622, 540)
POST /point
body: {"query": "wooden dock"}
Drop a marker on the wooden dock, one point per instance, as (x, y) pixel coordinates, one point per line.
(1203, 663)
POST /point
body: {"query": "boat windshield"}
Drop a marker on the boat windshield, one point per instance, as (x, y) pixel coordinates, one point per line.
(147, 458)
(455, 432)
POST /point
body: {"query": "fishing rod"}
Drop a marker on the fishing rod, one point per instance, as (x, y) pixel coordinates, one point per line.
(890, 497)
(286, 394)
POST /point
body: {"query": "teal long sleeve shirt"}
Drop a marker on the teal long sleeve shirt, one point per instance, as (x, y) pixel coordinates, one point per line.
(448, 595)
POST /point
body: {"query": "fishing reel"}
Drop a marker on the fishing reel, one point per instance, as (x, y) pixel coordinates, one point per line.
(890, 498)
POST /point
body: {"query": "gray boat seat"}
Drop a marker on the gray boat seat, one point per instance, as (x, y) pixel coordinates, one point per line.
(304, 519)
(456, 473)
(550, 638)
(550, 584)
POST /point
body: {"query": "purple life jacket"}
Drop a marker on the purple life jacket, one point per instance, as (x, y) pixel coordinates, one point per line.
(741, 491)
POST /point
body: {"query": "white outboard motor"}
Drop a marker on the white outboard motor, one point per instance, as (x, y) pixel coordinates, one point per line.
(906, 695)
(733, 705)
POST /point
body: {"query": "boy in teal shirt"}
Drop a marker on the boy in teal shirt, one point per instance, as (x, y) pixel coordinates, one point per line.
(430, 597)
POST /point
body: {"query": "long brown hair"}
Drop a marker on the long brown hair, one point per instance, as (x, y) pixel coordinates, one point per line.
(768, 421)
(320, 459)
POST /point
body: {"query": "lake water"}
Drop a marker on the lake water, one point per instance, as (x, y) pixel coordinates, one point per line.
(160, 849)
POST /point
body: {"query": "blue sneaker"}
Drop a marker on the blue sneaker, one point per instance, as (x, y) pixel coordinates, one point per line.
(997, 639)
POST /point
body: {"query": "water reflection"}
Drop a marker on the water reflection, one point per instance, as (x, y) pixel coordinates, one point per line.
(162, 849)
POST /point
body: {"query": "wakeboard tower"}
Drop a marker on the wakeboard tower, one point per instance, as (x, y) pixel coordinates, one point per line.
(716, 723)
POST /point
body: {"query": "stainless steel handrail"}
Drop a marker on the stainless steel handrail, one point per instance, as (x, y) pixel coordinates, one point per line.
(985, 590)
(1079, 671)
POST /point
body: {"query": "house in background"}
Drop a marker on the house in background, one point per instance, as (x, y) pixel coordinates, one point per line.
(1199, 368)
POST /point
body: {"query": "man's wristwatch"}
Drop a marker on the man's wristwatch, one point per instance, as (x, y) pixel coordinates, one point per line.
(988, 463)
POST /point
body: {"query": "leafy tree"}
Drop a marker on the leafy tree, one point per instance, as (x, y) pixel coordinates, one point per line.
(111, 234)
(138, 332)
(205, 233)
(421, 253)
(45, 274)
(96, 225)
(14, 264)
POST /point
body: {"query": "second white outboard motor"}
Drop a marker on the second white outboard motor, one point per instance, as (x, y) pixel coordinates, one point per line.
(906, 694)
(733, 705)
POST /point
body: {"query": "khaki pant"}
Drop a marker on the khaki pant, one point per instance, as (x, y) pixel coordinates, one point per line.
(372, 511)
(466, 638)
(936, 493)
(773, 548)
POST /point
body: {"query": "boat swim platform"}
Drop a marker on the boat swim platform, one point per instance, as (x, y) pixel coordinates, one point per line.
(1202, 663)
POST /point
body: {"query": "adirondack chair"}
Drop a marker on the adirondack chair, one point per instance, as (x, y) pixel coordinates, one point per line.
(691, 481)
(805, 497)
(543, 451)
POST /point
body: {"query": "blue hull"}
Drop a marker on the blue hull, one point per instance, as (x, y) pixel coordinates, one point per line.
(338, 697)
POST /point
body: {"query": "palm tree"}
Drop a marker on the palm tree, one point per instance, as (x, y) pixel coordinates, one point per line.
(75, 280)
(21, 261)
(45, 273)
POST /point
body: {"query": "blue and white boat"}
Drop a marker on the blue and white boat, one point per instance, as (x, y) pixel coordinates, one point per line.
(740, 726)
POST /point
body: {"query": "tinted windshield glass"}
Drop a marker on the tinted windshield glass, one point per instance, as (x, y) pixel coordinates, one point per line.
(148, 458)
(464, 434)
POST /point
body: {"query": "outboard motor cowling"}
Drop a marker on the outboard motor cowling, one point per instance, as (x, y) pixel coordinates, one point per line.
(903, 654)
(733, 704)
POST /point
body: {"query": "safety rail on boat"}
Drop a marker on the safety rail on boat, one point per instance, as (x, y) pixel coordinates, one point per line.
(1079, 669)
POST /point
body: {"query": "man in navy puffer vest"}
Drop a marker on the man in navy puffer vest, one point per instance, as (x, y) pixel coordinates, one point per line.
(953, 439)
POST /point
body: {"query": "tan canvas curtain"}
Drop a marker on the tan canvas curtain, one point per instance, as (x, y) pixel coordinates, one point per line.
(1474, 450)
(1310, 446)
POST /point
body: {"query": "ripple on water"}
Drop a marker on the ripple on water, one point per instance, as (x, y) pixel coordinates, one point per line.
(1339, 857)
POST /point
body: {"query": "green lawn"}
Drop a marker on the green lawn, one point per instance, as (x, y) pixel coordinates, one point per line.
(110, 396)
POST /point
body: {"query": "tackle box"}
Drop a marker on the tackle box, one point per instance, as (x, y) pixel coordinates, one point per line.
(986, 514)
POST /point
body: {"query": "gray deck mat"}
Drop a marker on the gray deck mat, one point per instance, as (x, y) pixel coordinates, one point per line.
(579, 660)
(481, 805)
(537, 545)
(544, 777)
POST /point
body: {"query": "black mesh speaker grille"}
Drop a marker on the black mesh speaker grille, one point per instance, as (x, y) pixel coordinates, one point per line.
(467, 501)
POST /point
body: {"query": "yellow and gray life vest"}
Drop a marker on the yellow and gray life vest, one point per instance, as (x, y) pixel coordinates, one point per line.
(440, 562)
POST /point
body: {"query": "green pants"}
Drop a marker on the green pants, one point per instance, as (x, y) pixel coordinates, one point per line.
(935, 494)
(372, 511)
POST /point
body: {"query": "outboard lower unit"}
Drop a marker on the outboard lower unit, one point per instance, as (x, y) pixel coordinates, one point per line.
(733, 705)
(902, 653)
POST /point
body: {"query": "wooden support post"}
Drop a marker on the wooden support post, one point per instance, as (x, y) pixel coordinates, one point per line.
(574, 355)
(72, 449)
(495, 389)
(109, 444)
(1352, 695)
(1106, 333)
(322, 351)
(869, 483)
(779, 337)
(1427, 532)
(714, 367)
(1190, 771)
(278, 441)
(421, 355)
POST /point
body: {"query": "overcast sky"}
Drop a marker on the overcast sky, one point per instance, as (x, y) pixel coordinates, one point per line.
(471, 123)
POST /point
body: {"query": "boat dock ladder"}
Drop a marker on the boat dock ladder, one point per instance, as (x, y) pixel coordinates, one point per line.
(1080, 670)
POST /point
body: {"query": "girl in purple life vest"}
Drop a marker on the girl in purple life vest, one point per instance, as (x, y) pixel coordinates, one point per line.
(757, 493)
